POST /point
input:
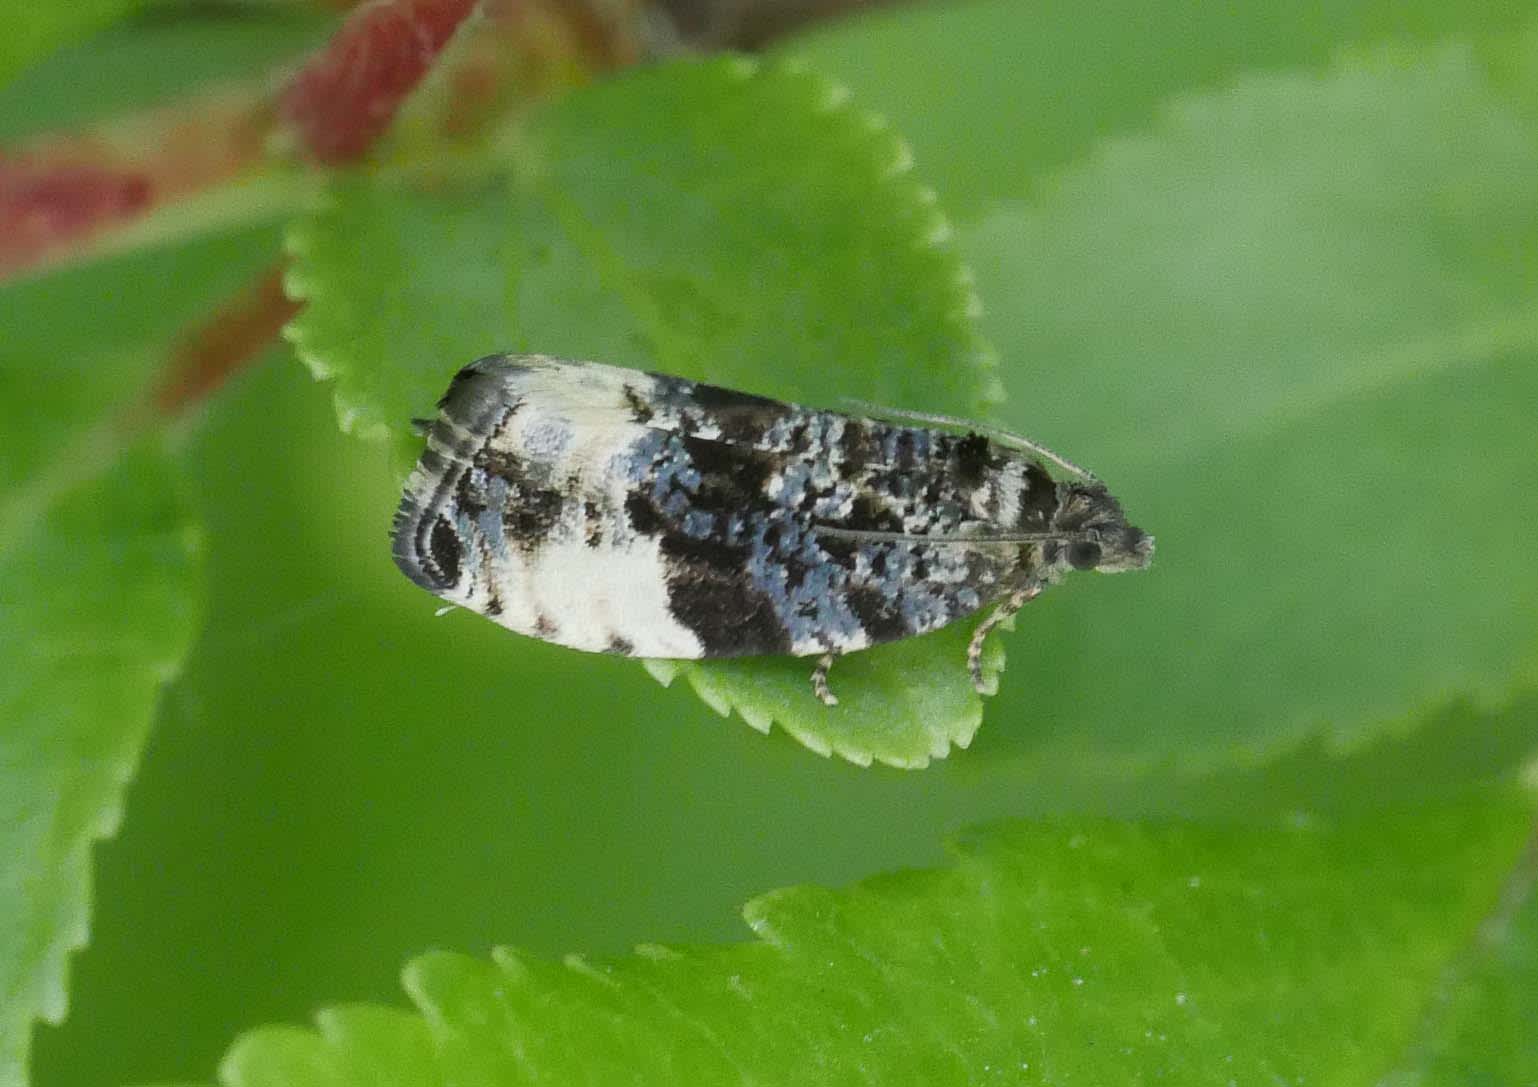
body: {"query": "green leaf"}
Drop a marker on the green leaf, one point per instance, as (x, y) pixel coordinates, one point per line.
(993, 94)
(32, 31)
(1072, 952)
(100, 591)
(1295, 324)
(711, 219)
(97, 608)
(1486, 1024)
(545, 798)
(146, 63)
(901, 705)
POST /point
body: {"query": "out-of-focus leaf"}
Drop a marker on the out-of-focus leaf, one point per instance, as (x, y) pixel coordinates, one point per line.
(1296, 326)
(140, 65)
(100, 593)
(1484, 1028)
(98, 602)
(996, 94)
(32, 31)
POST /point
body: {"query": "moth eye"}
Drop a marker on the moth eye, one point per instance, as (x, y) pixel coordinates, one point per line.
(1084, 554)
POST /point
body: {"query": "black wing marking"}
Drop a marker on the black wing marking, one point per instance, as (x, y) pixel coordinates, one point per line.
(737, 490)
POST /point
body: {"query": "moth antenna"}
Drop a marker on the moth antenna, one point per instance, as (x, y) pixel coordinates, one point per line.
(875, 536)
(1007, 438)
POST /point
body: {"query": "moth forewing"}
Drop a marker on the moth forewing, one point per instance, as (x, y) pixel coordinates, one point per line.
(617, 511)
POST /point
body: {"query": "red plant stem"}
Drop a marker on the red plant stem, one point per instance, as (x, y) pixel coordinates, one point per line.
(225, 343)
(44, 205)
(342, 101)
(58, 192)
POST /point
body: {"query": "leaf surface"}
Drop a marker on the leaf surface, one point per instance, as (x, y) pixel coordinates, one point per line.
(1186, 954)
(100, 594)
(713, 219)
(1295, 325)
(99, 599)
(144, 64)
(35, 30)
(996, 95)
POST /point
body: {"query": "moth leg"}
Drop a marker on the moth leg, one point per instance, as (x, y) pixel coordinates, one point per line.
(420, 427)
(1017, 600)
(820, 680)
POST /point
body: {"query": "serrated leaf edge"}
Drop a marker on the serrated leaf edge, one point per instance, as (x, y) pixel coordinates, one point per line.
(934, 230)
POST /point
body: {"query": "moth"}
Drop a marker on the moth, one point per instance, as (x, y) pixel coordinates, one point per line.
(616, 511)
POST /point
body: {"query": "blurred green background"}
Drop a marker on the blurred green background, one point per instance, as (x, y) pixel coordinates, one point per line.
(340, 779)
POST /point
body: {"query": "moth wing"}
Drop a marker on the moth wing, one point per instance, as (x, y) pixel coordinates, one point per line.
(517, 509)
(609, 509)
(756, 568)
(595, 395)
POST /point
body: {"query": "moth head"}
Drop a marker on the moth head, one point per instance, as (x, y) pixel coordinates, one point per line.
(1095, 534)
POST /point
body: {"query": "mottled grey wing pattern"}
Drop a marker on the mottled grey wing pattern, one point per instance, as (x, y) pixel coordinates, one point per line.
(612, 510)
(744, 519)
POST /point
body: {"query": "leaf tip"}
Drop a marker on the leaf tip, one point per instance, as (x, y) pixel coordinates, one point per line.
(757, 719)
(663, 671)
(808, 739)
(708, 692)
(511, 962)
(859, 756)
